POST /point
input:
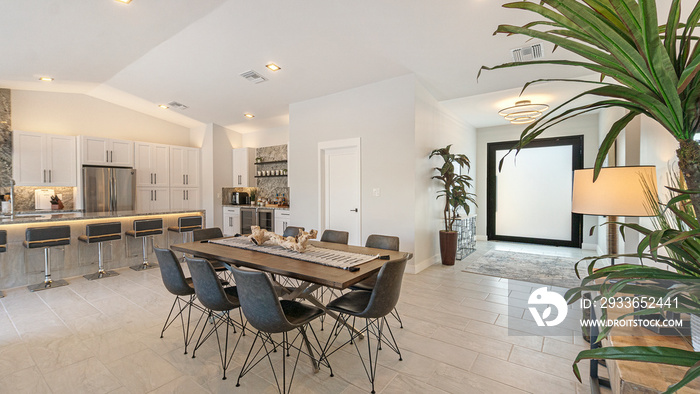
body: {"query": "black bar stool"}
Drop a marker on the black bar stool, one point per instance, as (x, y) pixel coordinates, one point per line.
(186, 225)
(45, 238)
(99, 233)
(145, 229)
(3, 249)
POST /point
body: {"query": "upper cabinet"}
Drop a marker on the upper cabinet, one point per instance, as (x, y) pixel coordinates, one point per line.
(44, 159)
(152, 163)
(243, 167)
(184, 167)
(98, 151)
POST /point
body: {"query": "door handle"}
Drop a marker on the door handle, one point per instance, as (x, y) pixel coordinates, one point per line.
(353, 210)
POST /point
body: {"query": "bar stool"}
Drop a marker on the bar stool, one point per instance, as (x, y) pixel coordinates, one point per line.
(45, 238)
(3, 249)
(99, 233)
(186, 225)
(145, 229)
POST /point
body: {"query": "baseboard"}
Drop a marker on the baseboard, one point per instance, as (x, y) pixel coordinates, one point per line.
(416, 268)
(586, 246)
(482, 238)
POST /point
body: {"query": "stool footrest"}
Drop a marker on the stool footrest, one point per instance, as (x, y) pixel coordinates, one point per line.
(47, 285)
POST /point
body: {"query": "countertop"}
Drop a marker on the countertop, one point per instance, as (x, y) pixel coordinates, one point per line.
(254, 206)
(55, 216)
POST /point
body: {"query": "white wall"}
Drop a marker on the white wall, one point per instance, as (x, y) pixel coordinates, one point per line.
(78, 114)
(222, 160)
(435, 128)
(268, 137)
(382, 116)
(585, 124)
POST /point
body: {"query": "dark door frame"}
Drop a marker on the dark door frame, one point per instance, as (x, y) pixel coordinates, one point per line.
(576, 142)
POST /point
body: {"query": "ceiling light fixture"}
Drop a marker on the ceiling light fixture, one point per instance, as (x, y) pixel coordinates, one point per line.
(46, 79)
(164, 106)
(273, 67)
(124, 1)
(523, 112)
(248, 115)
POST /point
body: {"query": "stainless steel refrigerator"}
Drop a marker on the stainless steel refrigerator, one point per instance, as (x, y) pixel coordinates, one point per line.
(109, 189)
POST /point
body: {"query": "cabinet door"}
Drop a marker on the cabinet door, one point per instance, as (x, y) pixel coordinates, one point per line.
(237, 167)
(144, 198)
(121, 153)
(228, 224)
(192, 165)
(160, 164)
(27, 156)
(177, 168)
(143, 163)
(95, 151)
(61, 162)
(236, 220)
(192, 198)
(177, 199)
(161, 199)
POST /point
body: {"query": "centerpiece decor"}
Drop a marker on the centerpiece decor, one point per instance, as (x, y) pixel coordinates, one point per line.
(456, 194)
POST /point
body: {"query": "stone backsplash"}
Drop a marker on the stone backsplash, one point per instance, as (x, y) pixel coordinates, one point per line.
(270, 187)
(5, 138)
(24, 197)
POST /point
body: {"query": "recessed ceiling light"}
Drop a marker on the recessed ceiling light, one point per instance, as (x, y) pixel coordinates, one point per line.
(273, 67)
(124, 1)
(164, 106)
(248, 115)
(46, 79)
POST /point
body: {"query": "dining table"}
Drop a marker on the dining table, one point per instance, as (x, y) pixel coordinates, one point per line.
(309, 276)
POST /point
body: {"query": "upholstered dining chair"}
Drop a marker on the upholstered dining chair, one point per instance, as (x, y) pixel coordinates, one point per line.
(292, 231)
(372, 306)
(386, 242)
(219, 301)
(335, 236)
(270, 315)
(213, 233)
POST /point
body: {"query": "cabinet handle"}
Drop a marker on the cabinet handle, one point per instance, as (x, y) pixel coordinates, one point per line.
(111, 156)
(188, 178)
(183, 179)
(151, 195)
(240, 181)
(155, 193)
(155, 179)
(44, 176)
(188, 195)
(107, 156)
(50, 176)
(183, 194)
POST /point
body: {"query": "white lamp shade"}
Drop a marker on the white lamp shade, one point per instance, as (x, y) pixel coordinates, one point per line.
(618, 191)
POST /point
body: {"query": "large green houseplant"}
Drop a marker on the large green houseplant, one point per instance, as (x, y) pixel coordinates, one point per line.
(455, 190)
(648, 69)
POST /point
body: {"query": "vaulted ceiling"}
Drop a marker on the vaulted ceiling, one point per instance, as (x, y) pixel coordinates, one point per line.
(152, 52)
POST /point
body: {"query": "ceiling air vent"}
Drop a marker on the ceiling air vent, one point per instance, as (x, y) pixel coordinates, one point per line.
(176, 105)
(530, 52)
(253, 76)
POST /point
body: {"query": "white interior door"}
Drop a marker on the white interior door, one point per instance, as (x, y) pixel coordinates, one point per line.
(341, 188)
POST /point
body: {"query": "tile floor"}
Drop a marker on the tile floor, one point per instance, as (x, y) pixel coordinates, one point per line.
(103, 337)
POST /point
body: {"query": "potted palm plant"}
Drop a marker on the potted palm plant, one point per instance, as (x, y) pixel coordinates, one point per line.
(648, 69)
(455, 190)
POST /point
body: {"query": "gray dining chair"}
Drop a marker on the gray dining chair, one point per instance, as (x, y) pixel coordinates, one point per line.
(219, 302)
(213, 233)
(386, 242)
(270, 315)
(292, 231)
(372, 306)
(335, 236)
(181, 287)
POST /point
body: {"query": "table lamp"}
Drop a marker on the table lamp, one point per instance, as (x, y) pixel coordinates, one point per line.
(618, 191)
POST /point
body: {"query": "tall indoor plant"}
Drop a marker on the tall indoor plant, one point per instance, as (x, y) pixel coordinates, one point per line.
(456, 194)
(646, 69)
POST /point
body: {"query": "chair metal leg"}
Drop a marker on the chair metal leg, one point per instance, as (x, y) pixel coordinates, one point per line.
(48, 283)
(101, 273)
(145, 265)
(396, 315)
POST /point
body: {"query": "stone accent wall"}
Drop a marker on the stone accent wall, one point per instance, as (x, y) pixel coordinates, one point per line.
(272, 186)
(5, 139)
(24, 197)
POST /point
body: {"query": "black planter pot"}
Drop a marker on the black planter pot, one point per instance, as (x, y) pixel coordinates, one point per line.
(448, 247)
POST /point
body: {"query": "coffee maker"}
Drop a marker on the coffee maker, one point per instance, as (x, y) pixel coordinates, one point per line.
(240, 198)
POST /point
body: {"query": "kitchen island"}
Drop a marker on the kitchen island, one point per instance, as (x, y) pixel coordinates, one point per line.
(20, 266)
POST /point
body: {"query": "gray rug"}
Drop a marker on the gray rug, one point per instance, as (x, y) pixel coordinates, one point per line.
(535, 268)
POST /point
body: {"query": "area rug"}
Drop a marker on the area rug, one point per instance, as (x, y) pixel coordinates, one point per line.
(528, 267)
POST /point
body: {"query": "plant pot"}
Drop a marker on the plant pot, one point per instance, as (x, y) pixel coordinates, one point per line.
(448, 247)
(695, 331)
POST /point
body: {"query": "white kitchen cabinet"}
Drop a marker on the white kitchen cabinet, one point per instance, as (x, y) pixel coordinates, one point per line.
(152, 164)
(96, 151)
(152, 199)
(44, 159)
(184, 198)
(244, 167)
(282, 220)
(184, 166)
(232, 221)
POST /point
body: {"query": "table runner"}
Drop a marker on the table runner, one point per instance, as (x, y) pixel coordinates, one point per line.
(313, 254)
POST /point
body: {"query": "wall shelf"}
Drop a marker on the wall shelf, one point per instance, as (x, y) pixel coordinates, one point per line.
(271, 162)
(270, 176)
